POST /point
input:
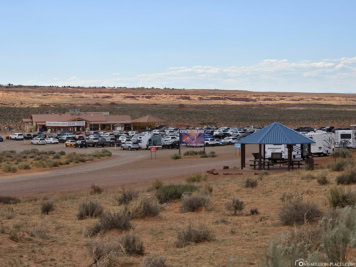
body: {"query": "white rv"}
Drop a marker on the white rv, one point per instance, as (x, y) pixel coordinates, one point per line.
(324, 143)
(345, 138)
(148, 140)
(296, 154)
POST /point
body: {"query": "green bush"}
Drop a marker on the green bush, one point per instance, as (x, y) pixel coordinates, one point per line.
(212, 154)
(338, 197)
(89, 209)
(171, 192)
(197, 178)
(47, 206)
(348, 177)
(193, 234)
(194, 203)
(176, 156)
(9, 168)
(299, 212)
(236, 206)
(109, 221)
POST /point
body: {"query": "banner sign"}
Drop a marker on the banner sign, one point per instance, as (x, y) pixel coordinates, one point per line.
(191, 137)
(64, 123)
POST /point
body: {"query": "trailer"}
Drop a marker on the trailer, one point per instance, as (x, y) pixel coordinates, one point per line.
(324, 143)
(296, 154)
(345, 138)
(148, 140)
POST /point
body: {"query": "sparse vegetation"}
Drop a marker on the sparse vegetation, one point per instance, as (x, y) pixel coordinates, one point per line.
(340, 165)
(126, 196)
(171, 192)
(193, 234)
(109, 221)
(176, 156)
(299, 212)
(155, 261)
(236, 206)
(144, 207)
(197, 178)
(132, 244)
(194, 203)
(89, 209)
(342, 153)
(250, 183)
(95, 189)
(348, 177)
(339, 197)
(47, 206)
(9, 200)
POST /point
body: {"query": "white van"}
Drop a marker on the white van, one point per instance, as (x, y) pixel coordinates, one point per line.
(16, 136)
(296, 154)
(324, 143)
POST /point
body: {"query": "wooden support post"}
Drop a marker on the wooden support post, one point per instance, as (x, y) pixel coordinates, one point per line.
(309, 151)
(243, 159)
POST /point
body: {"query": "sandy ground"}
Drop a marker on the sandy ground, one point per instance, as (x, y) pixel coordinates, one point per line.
(126, 167)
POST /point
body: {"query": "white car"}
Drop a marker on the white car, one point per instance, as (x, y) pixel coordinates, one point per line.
(229, 140)
(51, 140)
(38, 141)
(16, 136)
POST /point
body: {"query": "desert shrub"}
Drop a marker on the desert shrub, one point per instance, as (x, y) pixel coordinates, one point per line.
(171, 192)
(9, 168)
(194, 203)
(212, 154)
(340, 165)
(57, 156)
(53, 164)
(348, 177)
(308, 176)
(89, 209)
(250, 183)
(109, 221)
(155, 261)
(126, 196)
(291, 197)
(100, 249)
(106, 153)
(193, 234)
(62, 153)
(329, 241)
(24, 166)
(176, 156)
(132, 244)
(299, 212)
(322, 180)
(342, 153)
(236, 206)
(254, 211)
(206, 189)
(95, 189)
(157, 184)
(338, 197)
(193, 153)
(7, 212)
(144, 207)
(9, 200)
(196, 178)
(204, 155)
(47, 206)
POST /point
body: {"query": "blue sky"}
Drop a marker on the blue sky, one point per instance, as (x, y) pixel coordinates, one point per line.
(284, 45)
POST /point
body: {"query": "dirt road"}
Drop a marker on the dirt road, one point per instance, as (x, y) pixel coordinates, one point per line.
(125, 168)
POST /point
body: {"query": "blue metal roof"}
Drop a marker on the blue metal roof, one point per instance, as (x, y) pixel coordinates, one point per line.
(276, 134)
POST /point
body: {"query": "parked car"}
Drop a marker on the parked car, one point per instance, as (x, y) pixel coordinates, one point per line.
(229, 140)
(51, 140)
(16, 136)
(1, 139)
(211, 142)
(27, 136)
(130, 145)
(38, 141)
(70, 143)
(81, 144)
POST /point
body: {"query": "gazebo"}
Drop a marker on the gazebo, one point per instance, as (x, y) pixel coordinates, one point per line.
(274, 134)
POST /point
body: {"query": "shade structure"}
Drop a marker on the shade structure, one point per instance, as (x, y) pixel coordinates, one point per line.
(276, 134)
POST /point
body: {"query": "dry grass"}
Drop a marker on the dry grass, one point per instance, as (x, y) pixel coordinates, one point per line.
(60, 238)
